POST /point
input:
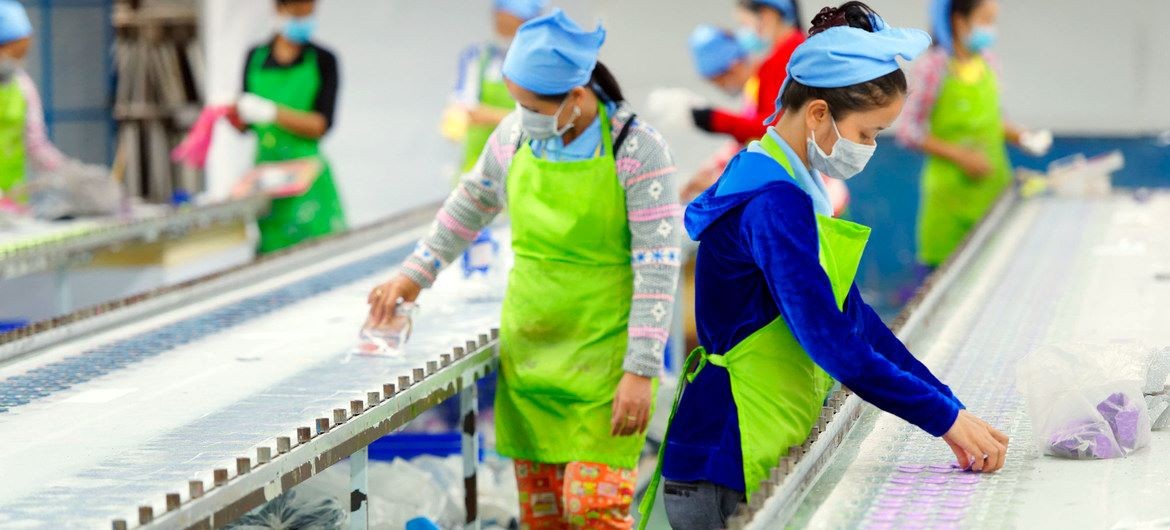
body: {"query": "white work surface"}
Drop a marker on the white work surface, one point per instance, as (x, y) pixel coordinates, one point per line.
(1055, 270)
(220, 377)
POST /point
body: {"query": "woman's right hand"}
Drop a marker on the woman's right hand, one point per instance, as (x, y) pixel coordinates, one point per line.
(974, 163)
(977, 445)
(384, 298)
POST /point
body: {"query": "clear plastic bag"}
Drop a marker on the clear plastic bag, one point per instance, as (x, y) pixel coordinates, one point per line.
(1085, 400)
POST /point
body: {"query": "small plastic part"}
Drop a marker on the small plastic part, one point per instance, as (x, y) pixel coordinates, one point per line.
(389, 339)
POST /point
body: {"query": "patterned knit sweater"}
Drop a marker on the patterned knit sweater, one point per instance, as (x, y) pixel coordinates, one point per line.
(647, 173)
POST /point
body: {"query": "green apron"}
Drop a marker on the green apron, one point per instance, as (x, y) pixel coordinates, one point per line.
(967, 114)
(13, 112)
(318, 211)
(777, 388)
(563, 331)
(492, 93)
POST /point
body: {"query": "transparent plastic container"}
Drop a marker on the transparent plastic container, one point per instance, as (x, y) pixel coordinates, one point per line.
(388, 339)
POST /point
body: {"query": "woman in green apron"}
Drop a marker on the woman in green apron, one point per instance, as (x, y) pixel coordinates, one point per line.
(481, 101)
(778, 314)
(24, 142)
(480, 90)
(953, 115)
(290, 92)
(595, 231)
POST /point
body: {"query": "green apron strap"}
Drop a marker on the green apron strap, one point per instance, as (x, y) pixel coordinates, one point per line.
(777, 153)
(699, 358)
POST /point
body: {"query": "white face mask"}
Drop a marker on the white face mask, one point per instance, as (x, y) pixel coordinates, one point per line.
(847, 160)
(542, 126)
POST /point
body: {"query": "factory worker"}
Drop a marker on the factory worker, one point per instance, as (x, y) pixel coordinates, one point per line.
(480, 101)
(290, 92)
(778, 314)
(953, 115)
(480, 92)
(722, 58)
(24, 142)
(777, 24)
(595, 232)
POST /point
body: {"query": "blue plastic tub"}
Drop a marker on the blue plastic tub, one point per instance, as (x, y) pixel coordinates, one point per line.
(12, 325)
(407, 445)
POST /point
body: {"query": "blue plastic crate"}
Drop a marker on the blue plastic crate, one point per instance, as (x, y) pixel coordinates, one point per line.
(408, 445)
(12, 325)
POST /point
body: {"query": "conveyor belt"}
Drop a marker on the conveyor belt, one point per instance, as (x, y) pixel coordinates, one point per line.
(1051, 270)
(47, 246)
(103, 423)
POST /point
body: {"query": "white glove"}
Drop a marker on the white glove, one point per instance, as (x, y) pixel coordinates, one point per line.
(672, 106)
(255, 110)
(1036, 143)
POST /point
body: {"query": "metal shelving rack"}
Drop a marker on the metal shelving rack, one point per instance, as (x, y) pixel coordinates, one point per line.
(158, 93)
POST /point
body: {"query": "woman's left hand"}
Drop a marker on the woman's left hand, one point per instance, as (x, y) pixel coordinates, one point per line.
(631, 405)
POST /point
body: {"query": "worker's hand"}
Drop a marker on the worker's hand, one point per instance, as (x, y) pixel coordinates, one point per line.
(672, 106)
(977, 445)
(975, 164)
(1036, 143)
(631, 405)
(484, 115)
(384, 299)
(255, 110)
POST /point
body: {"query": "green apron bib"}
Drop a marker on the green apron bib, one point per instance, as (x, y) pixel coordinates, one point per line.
(318, 211)
(563, 331)
(952, 202)
(13, 112)
(492, 93)
(777, 388)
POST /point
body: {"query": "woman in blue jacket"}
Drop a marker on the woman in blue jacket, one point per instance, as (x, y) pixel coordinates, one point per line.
(778, 314)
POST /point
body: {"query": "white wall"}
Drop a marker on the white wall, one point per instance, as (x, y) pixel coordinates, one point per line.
(1077, 66)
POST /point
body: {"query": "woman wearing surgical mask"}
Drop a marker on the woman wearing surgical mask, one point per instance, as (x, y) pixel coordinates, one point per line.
(24, 143)
(953, 115)
(480, 92)
(290, 92)
(778, 313)
(595, 231)
(775, 32)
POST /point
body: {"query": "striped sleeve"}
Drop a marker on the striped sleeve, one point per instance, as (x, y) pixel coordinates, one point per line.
(925, 79)
(472, 206)
(42, 154)
(647, 171)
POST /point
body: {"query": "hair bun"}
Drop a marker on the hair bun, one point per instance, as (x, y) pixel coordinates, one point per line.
(850, 14)
(828, 17)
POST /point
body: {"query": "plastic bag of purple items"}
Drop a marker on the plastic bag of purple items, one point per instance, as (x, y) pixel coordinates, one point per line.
(1085, 400)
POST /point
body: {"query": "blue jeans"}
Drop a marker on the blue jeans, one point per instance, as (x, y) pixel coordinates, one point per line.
(699, 505)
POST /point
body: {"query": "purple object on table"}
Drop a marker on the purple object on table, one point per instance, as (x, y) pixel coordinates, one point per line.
(911, 468)
(1124, 417)
(1084, 440)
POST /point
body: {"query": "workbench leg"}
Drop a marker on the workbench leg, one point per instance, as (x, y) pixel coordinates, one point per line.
(359, 489)
(468, 407)
(64, 296)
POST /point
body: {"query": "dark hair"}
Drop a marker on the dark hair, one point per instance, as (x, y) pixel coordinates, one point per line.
(603, 83)
(755, 6)
(861, 97)
(964, 7)
(961, 8)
